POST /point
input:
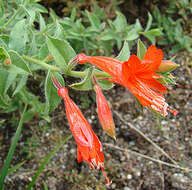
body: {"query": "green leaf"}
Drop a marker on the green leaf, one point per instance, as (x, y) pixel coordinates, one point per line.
(9, 81)
(20, 84)
(31, 15)
(105, 84)
(17, 166)
(42, 23)
(19, 37)
(46, 161)
(45, 186)
(131, 35)
(2, 102)
(151, 34)
(141, 49)
(120, 22)
(9, 157)
(43, 52)
(61, 51)
(52, 98)
(73, 14)
(39, 8)
(149, 22)
(4, 39)
(4, 74)
(124, 53)
(95, 22)
(17, 61)
(2, 121)
(86, 83)
(3, 54)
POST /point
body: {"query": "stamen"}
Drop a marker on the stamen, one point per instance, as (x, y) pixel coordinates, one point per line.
(108, 181)
(91, 166)
(94, 162)
(100, 165)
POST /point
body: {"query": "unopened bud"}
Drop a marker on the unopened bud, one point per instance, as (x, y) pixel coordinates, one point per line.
(167, 66)
(104, 113)
(48, 58)
(7, 61)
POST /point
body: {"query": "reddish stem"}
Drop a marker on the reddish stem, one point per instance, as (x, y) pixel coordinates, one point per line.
(56, 82)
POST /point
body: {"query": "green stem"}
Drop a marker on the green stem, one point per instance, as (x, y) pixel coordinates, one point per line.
(76, 74)
(81, 74)
(14, 15)
(43, 64)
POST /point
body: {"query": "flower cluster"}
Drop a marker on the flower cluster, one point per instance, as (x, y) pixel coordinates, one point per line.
(139, 76)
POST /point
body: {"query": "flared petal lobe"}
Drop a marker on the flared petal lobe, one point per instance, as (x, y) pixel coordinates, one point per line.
(104, 112)
(151, 60)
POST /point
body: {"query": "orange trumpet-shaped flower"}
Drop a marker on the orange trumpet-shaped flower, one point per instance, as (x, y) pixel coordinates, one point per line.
(137, 75)
(89, 148)
(104, 112)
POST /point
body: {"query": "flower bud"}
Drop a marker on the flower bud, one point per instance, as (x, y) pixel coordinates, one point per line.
(166, 66)
(104, 112)
(7, 61)
(48, 58)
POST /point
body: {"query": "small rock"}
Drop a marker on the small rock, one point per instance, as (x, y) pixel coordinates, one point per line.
(126, 188)
(72, 151)
(132, 143)
(180, 181)
(113, 185)
(90, 121)
(129, 176)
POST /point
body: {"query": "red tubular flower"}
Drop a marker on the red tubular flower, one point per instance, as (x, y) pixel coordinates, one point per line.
(89, 148)
(104, 112)
(137, 75)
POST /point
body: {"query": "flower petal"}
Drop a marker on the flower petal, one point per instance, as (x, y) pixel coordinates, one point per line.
(152, 59)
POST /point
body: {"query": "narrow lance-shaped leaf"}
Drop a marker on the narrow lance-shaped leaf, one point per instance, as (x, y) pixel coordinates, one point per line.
(149, 22)
(61, 51)
(151, 34)
(11, 151)
(141, 49)
(124, 53)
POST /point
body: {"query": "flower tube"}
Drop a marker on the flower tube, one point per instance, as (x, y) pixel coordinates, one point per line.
(89, 148)
(104, 111)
